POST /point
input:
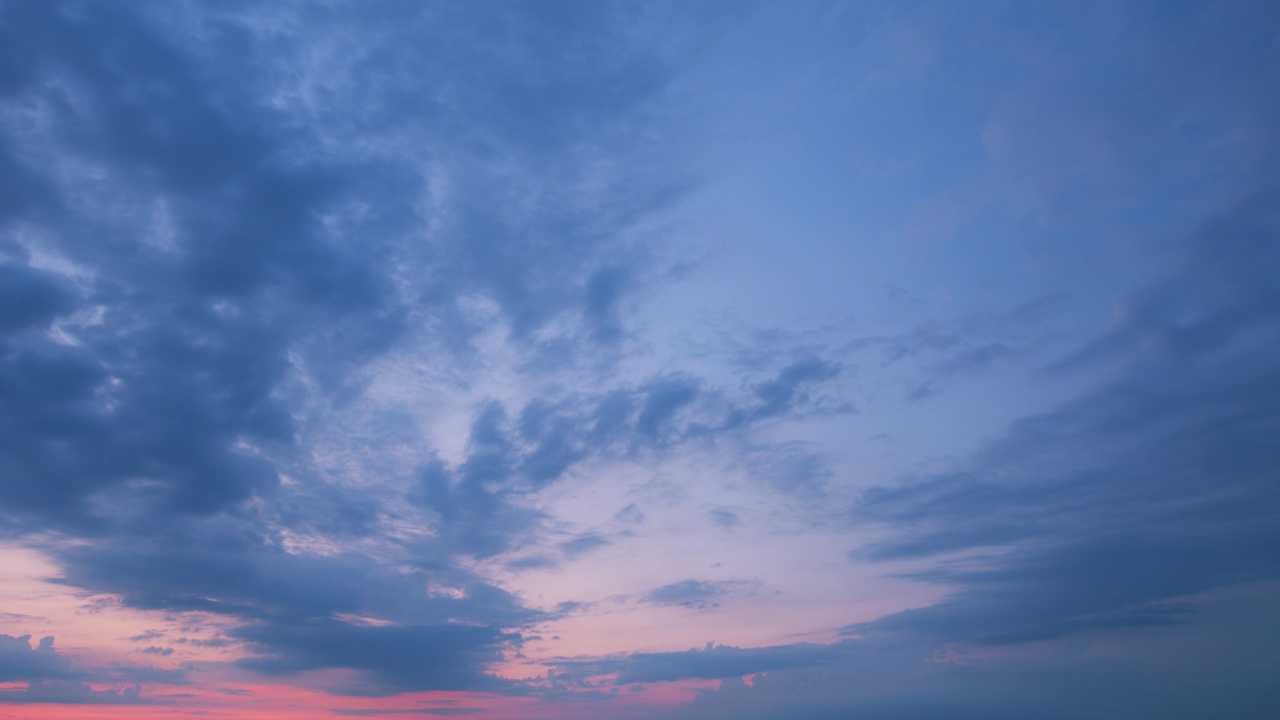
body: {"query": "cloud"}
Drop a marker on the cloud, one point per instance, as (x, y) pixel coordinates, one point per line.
(793, 468)
(225, 229)
(19, 661)
(583, 544)
(219, 217)
(472, 503)
(219, 567)
(71, 692)
(373, 712)
(172, 349)
(724, 518)
(1156, 484)
(479, 503)
(697, 594)
(663, 398)
(938, 351)
(396, 658)
(1144, 672)
(782, 392)
(631, 515)
(51, 677)
(31, 297)
(231, 234)
(709, 663)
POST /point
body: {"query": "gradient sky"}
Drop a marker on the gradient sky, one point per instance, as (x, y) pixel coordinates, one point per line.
(591, 360)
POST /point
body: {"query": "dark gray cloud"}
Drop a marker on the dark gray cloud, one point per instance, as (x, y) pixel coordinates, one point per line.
(51, 677)
(936, 352)
(664, 398)
(477, 501)
(782, 392)
(30, 297)
(223, 568)
(1159, 483)
(178, 342)
(196, 234)
(214, 218)
(209, 214)
(583, 544)
(1202, 667)
(794, 468)
(709, 663)
(697, 594)
(724, 518)
(374, 712)
(473, 503)
(72, 693)
(222, 239)
(20, 661)
(397, 658)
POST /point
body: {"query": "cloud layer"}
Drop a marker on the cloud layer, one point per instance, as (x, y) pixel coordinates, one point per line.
(497, 353)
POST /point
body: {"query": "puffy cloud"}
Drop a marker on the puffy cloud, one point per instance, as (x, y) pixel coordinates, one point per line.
(20, 661)
(51, 677)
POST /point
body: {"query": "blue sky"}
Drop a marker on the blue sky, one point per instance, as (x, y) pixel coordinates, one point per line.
(587, 359)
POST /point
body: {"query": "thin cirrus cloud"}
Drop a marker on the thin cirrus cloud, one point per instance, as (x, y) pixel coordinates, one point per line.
(464, 359)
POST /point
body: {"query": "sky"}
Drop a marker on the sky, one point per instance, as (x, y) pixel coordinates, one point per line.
(639, 360)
